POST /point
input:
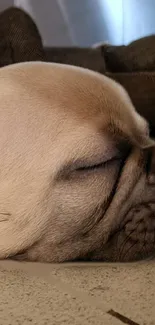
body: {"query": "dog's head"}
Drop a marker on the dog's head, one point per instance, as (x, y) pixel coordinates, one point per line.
(76, 176)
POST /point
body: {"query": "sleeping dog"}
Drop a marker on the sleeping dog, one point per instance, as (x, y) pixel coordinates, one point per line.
(77, 172)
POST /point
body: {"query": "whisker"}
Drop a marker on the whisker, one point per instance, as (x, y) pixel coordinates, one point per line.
(126, 240)
(128, 250)
(143, 248)
(154, 237)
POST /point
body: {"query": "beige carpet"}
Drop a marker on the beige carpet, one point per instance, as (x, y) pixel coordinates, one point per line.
(80, 294)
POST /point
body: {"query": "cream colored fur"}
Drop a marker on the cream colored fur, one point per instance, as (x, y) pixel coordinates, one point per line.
(53, 119)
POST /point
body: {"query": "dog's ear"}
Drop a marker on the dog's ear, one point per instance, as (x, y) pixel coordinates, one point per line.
(129, 124)
(121, 118)
(139, 132)
(134, 130)
(143, 141)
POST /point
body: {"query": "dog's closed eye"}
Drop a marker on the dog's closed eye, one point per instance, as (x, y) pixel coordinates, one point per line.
(96, 162)
(97, 166)
(82, 168)
(90, 168)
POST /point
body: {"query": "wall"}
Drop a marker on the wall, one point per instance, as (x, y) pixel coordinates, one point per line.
(139, 18)
(85, 22)
(51, 21)
(76, 22)
(5, 4)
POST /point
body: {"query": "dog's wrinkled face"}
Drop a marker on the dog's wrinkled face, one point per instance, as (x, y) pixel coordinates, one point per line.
(77, 167)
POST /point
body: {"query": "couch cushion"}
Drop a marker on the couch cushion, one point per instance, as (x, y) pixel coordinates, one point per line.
(137, 56)
(19, 38)
(83, 57)
(141, 88)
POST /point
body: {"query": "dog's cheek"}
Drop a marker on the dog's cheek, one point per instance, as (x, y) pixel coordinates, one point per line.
(78, 203)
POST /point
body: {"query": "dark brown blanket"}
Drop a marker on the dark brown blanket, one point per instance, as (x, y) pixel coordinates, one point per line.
(133, 66)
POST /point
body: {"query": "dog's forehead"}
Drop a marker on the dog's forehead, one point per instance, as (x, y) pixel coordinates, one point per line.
(86, 92)
(79, 90)
(55, 94)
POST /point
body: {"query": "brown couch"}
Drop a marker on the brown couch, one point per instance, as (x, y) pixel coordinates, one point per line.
(133, 66)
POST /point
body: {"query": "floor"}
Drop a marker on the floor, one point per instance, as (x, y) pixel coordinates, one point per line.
(99, 294)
